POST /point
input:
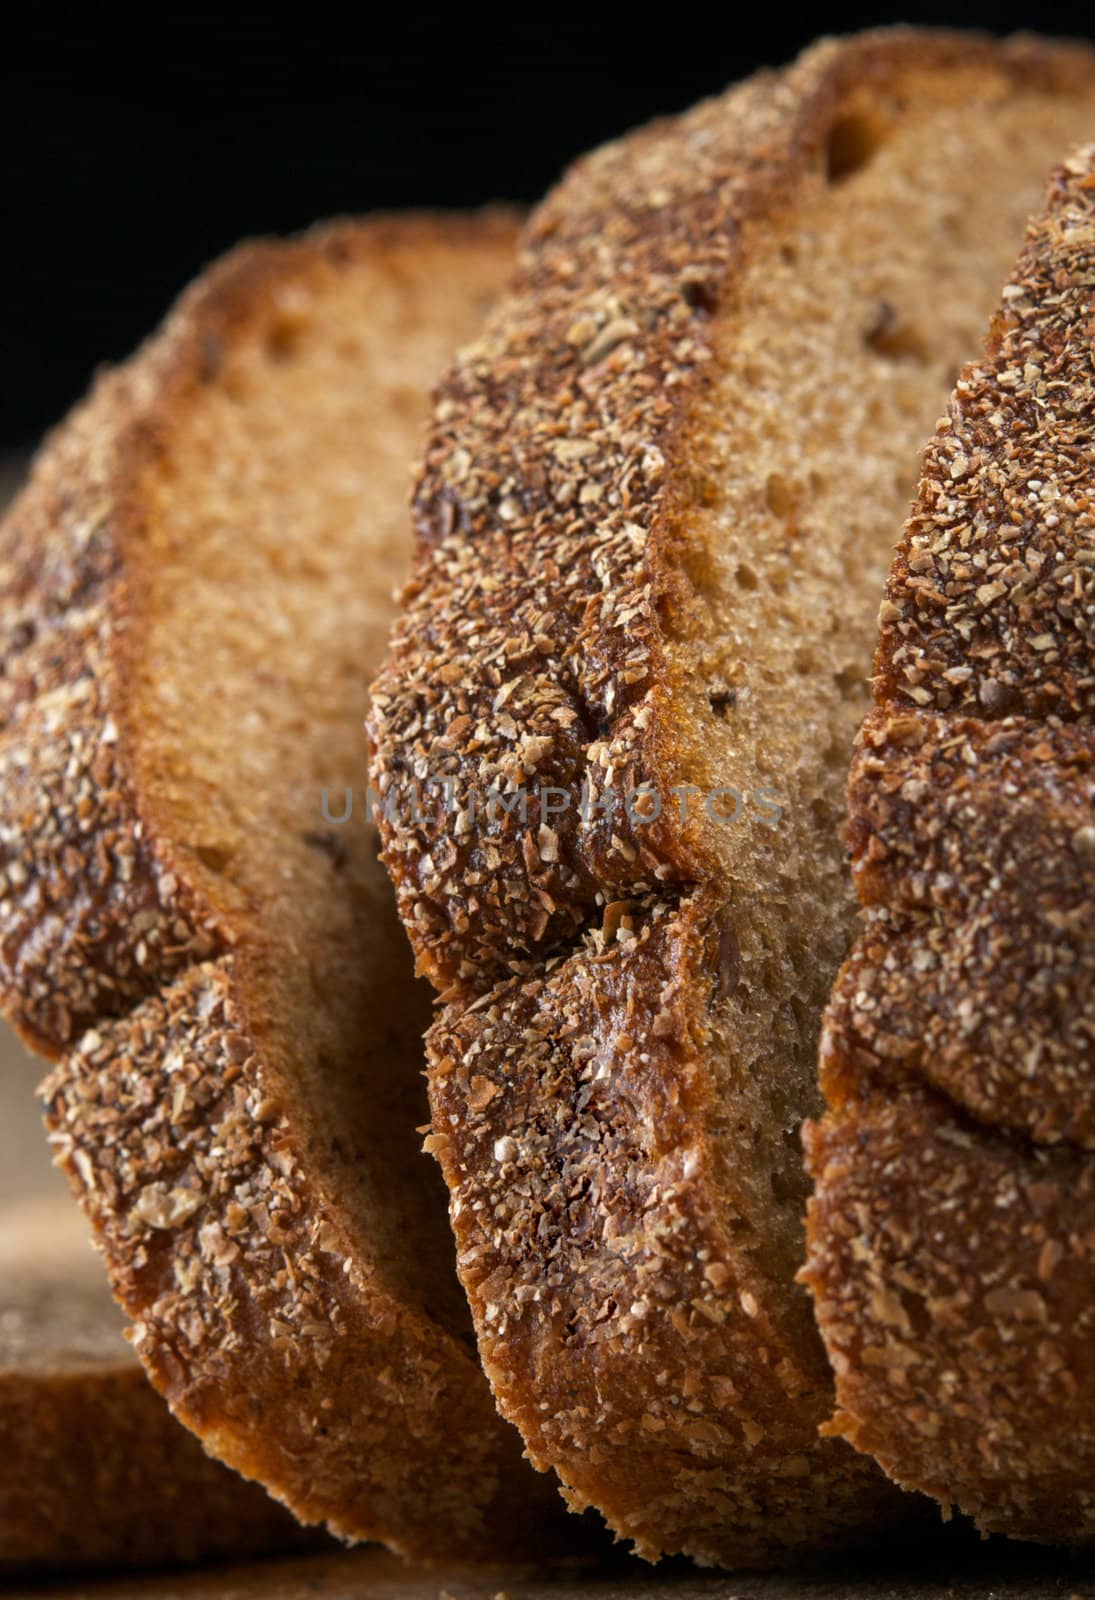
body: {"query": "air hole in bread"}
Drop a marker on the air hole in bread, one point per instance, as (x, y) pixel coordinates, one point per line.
(746, 577)
(722, 699)
(850, 681)
(779, 496)
(822, 813)
(888, 335)
(215, 857)
(700, 294)
(853, 140)
(282, 340)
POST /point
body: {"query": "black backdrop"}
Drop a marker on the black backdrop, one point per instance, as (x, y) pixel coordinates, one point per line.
(133, 153)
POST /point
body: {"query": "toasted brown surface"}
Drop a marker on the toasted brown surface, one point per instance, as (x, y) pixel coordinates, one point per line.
(95, 1470)
(193, 591)
(952, 1237)
(654, 519)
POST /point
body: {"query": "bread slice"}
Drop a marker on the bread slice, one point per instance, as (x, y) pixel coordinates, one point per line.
(194, 589)
(655, 519)
(95, 1470)
(952, 1237)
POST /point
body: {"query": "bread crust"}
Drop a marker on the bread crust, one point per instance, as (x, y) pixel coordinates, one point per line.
(952, 1235)
(582, 958)
(96, 1471)
(275, 1325)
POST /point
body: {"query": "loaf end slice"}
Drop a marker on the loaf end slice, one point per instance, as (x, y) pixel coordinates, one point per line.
(655, 517)
(952, 1234)
(194, 590)
(95, 1471)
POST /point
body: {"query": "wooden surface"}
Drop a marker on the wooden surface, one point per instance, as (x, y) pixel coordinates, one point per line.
(999, 1572)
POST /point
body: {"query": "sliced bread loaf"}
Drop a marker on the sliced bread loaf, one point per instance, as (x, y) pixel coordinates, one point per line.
(952, 1237)
(194, 588)
(655, 518)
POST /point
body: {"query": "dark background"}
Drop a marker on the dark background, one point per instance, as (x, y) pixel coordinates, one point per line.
(133, 153)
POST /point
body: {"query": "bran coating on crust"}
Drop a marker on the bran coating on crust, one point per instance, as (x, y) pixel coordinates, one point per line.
(618, 1322)
(951, 1238)
(583, 957)
(235, 1024)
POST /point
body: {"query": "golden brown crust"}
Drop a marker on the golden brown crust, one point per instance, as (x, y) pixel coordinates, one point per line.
(200, 1031)
(95, 1470)
(952, 1275)
(588, 960)
(952, 1231)
(598, 1252)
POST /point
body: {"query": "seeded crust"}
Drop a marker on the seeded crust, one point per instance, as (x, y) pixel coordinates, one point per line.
(95, 1471)
(607, 1138)
(219, 974)
(952, 1237)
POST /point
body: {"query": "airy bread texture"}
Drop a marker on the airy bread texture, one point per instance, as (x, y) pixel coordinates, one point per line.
(655, 519)
(95, 1470)
(952, 1237)
(194, 589)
